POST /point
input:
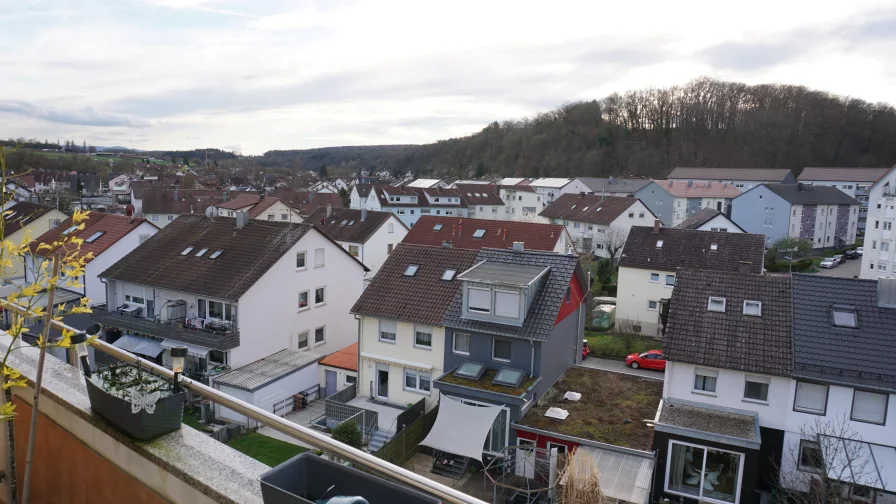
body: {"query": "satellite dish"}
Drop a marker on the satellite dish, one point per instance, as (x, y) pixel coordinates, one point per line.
(210, 212)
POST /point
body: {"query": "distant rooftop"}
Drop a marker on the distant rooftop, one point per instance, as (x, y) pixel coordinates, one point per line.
(869, 175)
(614, 185)
(690, 189)
(805, 194)
(257, 374)
(751, 174)
(503, 273)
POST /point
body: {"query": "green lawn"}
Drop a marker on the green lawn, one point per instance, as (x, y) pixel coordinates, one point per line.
(612, 346)
(264, 449)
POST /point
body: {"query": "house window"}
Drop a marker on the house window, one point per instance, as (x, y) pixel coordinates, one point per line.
(655, 278)
(704, 473)
(303, 300)
(387, 331)
(351, 380)
(144, 237)
(861, 493)
(423, 337)
(501, 350)
(270, 216)
(756, 388)
(844, 316)
(651, 305)
(869, 407)
(134, 299)
(461, 344)
(631, 215)
(670, 280)
(320, 296)
(215, 309)
(300, 260)
(575, 225)
(705, 380)
(284, 216)
(303, 340)
(320, 335)
(716, 304)
(507, 304)
(354, 250)
(810, 457)
(154, 217)
(416, 381)
(479, 300)
(753, 308)
(319, 257)
(811, 398)
(391, 227)
(389, 248)
(170, 218)
(641, 215)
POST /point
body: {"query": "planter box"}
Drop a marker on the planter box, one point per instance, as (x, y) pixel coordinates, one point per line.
(141, 426)
(306, 478)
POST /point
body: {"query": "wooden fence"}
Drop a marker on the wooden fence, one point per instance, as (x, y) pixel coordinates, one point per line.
(406, 443)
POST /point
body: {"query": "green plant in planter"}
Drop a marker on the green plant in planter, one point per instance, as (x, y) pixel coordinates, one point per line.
(130, 383)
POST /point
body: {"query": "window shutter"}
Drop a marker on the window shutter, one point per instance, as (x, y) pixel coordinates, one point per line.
(507, 304)
(479, 298)
(810, 396)
(869, 407)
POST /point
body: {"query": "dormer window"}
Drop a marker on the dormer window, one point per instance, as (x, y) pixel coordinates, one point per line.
(845, 316)
(411, 270)
(716, 304)
(479, 300)
(659, 244)
(753, 308)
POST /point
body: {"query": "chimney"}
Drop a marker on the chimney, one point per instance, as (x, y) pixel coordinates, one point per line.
(242, 218)
(329, 210)
(690, 183)
(363, 214)
(656, 226)
(446, 243)
(519, 246)
(744, 267)
(886, 292)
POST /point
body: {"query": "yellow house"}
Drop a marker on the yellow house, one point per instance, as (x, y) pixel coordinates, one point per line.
(28, 218)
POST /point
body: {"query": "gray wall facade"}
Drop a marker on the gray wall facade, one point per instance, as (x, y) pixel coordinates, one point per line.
(481, 351)
(841, 228)
(563, 349)
(658, 201)
(761, 211)
(807, 230)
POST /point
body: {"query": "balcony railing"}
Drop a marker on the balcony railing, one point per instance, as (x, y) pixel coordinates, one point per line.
(167, 330)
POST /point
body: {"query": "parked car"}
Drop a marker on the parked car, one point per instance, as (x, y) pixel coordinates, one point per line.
(839, 258)
(829, 262)
(860, 251)
(851, 254)
(586, 350)
(651, 359)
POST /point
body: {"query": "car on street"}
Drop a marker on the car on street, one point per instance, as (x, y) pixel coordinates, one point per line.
(839, 258)
(651, 359)
(860, 251)
(851, 254)
(829, 262)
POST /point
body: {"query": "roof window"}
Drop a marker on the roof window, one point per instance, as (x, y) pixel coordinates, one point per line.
(448, 275)
(187, 250)
(470, 370)
(659, 244)
(716, 304)
(713, 246)
(201, 252)
(344, 222)
(69, 230)
(9, 216)
(94, 236)
(479, 233)
(437, 227)
(845, 316)
(509, 377)
(411, 270)
(753, 308)
(215, 254)
(351, 222)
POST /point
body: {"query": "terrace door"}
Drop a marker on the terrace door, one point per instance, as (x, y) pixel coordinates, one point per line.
(382, 381)
(331, 383)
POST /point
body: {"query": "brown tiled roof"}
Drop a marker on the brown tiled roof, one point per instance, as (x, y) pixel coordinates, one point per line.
(438, 192)
(681, 189)
(480, 194)
(730, 339)
(23, 213)
(590, 208)
(754, 174)
(159, 200)
(24, 180)
(522, 186)
(842, 174)
(113, 227)
(345, 224)
(241, 200)
(498, 234)
(686, 248)
(346, 358)
(262, 205)
(422, 298)
(248, 253)
(702, 217)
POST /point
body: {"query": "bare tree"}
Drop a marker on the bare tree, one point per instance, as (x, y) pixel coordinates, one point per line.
(820, 468)
(612, 240)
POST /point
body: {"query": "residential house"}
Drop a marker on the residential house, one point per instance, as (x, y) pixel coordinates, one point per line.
(651, 258)
(468, 233)
(614, 186)
(552, 188)
(232, 291)
(340, 185)
(161, 206)
(107, 238)
(768, 379)
(242, 202)
(521, 202)
(673, 201)
(22, 221)
(363, 196)
(710, 219)
(306, 202)
(741, 178)
(514, 181)
(409, 203)
(876, 259)
(822, 215)
(427, 183)
(483, 200)
(367, 235)
(339, 370)
(323, 186)
(598, 224)
(21, 188)
(272, 208)
(854, 182)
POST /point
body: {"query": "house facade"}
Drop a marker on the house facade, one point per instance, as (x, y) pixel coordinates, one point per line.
(552, 188)
(483, 201)
(710, 219)
(674, 201)
(822, 215)
(651, 258)
(740, 178)
(876, 259)
(367, 235)
(469, 233)
(23, 220)
(522, 202)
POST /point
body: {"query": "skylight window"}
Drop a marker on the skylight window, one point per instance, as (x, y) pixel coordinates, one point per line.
(187, 251)
(411, 270)
(11, 214)
(448, 275)
(201, 252)
(714, 246)
(845, 316)
(344, 222)
(470, 370)
(479, 233)
(509, 377)
(716, 304)
(215, 254)
(351, 222)
(437, 227)
(585, 209)
(659, 244)
(94, 236)
(69, 230)
(598, 209)
(753, 308)
(573, 207)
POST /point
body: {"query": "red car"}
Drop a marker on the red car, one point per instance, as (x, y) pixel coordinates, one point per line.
(651, 359)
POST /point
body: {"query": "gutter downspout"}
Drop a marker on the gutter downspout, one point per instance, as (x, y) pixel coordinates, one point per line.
(532, 363)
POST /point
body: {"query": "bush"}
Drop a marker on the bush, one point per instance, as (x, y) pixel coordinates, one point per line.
(348, 433)
(610, 290)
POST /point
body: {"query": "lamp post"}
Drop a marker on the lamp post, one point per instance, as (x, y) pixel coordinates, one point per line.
(177, 363)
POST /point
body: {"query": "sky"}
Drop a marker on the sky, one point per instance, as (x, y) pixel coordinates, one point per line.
(257, 75)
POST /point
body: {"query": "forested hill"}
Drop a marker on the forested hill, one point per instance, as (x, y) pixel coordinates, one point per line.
(647, 132)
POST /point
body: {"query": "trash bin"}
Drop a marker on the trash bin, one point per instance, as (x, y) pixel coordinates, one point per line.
(306, 478)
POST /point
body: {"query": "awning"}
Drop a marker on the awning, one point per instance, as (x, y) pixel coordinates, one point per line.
(859, 463)
(399, 362)
(140, 345)
(461, 429)
(623, 476)
(194, 350)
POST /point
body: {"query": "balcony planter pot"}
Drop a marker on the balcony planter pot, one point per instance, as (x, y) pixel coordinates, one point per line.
(307, 478)
(141, 405)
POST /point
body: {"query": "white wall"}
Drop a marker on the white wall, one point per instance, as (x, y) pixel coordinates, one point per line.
(516, 201)
(278, 211)
(270, 394)
(161, 220)
(720, 222)
(95, 289)
(635, 290)
(341, 377)
(375, 251)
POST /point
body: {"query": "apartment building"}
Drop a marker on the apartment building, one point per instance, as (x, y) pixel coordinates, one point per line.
(673, 201)
(740, 178)
(854, 182)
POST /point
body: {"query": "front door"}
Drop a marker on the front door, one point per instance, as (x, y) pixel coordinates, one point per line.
(382, 381)
(525, 458)
(150, 309)
(331, 383)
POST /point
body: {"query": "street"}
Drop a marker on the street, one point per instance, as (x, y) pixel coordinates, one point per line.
(849, 269)
(618, 366)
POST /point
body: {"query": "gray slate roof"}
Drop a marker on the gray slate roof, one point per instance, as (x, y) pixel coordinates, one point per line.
(803, 194)
(842, 174)
(543, 312)
(257, 374)
(614, 185)
(861, 356)
(686, 248)
(753, 174)
(730, 340)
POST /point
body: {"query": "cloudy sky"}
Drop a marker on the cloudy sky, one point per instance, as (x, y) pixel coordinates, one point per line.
(279, 74)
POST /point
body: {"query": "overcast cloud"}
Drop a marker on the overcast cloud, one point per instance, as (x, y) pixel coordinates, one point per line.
(257, 75)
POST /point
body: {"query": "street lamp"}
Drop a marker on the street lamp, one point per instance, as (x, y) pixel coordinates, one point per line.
(177, 362)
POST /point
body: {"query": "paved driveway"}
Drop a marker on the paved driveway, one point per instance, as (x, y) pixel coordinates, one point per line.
(849, 269)
(618, 366)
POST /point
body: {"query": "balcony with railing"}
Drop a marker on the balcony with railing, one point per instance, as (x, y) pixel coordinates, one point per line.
(218, 336)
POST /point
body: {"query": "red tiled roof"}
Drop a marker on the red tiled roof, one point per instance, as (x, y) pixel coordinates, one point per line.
(240, 201)
(113, 227)
(346, 358)
(498, 234)
(262, 205)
